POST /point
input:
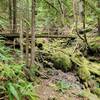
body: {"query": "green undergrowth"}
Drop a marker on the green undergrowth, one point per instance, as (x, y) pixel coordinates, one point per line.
(14, 78)
(62, 86)
(13, 83)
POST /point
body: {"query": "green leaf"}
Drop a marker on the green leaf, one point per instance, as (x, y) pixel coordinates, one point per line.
(13, 91)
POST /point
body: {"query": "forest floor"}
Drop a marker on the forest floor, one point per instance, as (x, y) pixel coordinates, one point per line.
(80, 81)
(49, 90)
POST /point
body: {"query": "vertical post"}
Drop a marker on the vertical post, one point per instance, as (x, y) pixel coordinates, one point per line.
(33, 34)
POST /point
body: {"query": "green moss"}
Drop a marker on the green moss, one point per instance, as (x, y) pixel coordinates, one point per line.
(84, 73)
(62, 61)
(85, 67)
(94, 68)
(97, 91)
(79, 59)
(87, 94)
(95, 42)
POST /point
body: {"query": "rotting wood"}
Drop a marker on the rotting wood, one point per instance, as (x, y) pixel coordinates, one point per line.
(16, 35)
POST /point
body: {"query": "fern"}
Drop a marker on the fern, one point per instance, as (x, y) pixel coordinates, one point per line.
(12, 92)
(62, 86)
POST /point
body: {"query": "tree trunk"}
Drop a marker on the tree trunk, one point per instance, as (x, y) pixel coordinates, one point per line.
(84, 22)
(14, 17)
(27, 48)
(33, 34)
(99, 19)
(83, 14)
(76, 14)
(10, 16)
(27, 36)
(21, 39)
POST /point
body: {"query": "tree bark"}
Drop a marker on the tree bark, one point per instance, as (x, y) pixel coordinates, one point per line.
(14, 17)
(27, 36)
(33, 34)
(76, 13)
(21, 39)
(52, 6)
(84, 22)
(99, 19)
(10, 16)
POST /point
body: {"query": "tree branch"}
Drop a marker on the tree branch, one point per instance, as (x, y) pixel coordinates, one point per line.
(52, 6)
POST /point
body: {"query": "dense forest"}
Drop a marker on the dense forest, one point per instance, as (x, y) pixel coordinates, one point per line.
(49, 49)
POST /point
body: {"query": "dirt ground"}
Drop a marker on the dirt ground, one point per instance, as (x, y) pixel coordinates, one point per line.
(47, 91)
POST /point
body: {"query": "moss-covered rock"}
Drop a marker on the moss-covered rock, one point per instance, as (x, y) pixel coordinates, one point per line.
(94, 68)
(84, 73)
(87, 94)
(97, 91)
(61, 61)
(85, 67)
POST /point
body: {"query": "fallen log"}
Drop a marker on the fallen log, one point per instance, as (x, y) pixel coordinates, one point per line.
(16, 35)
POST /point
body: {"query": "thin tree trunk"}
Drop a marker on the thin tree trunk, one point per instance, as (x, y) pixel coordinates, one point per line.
(84, 22)
(33, 34)
(27, 36)
(99, 19)
(75, 13)
(14, 17)
(21, 39)
(76, 18)
(83, 14)
(27, 48)
(52, 6)
(10, 16)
